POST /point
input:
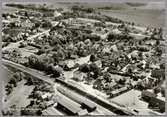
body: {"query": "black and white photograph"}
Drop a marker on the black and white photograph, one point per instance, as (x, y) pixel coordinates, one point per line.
(83, 57)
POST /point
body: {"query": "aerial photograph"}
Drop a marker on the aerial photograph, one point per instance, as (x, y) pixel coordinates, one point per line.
(79, 57)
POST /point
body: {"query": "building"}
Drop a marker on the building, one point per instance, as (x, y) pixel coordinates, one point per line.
(147, 95)
(85, 103)
(98, 63)
(154, 102)
(51, 111)
(79, 76)
(69, 106)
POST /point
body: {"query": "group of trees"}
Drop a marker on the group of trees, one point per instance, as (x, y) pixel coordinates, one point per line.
(30, 112)
(46, 24)
(16, 77)
(90, 68)
(76, 8)
(44, 63)
(114, 37)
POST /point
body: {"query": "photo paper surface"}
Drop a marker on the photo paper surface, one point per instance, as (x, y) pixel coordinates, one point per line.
(83, 57)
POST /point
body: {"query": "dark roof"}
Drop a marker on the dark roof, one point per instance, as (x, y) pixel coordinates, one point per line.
(77, 98)
(69, 104)
(148, 93)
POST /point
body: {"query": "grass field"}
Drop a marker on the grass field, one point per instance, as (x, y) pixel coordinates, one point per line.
(150, 14)
(146, 17)
(19, 94)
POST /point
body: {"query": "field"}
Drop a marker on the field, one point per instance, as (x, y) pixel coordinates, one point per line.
(155, 18)
(131, 99)
(150, 14)
(19, 94)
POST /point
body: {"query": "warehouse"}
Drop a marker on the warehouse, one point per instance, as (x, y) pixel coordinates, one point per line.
(51, 111)
(85, 103)
(69, 106)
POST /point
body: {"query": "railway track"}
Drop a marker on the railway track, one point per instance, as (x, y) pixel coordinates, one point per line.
(47, 79)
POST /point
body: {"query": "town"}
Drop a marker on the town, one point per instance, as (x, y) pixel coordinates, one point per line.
(78, 61)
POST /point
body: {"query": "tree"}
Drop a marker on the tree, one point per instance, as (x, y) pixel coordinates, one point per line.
(158, 51)
(39, 113)
(157, 74)
(97, 83)
(89, 10)
(88, 79)
(122, 81)
(29, 81)
(163, 92)
(95, 37)
(49, 69)
(47, 24)
(18, 76)
(33, 61)
(9, 88)
(37, 24)
(94, 68)
(40, 51)
(56, 73)
(111, 37)
(92, 58)
(84, 68)
(129, 71)
(157, 42)
(13, 81)
(162, 66)
(156, 90)
(75, 8)
(22, 45)
(107, 77)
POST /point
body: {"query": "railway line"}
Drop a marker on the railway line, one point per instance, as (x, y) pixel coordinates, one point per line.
(100, 103)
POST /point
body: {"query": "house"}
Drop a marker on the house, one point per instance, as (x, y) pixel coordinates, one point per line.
(49, 103)
(70, 64)
(56, 14)
(46, 95)
(98, 63)
(114, 48)
(79, 76)
(147, 95)
(154, 101)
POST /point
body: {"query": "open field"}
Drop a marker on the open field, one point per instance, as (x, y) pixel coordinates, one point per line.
(155, 18)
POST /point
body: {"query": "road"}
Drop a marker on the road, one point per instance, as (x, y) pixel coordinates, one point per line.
(39, 75)
(16, 44)
(44, 78)
(28, 71)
